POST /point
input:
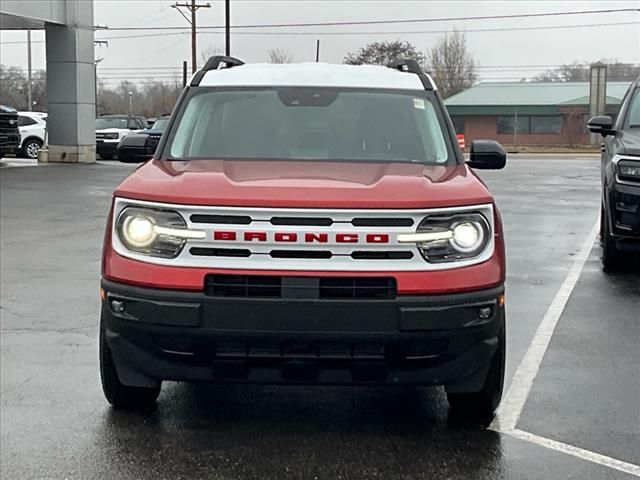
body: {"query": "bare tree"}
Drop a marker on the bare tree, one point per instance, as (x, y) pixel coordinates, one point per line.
(384, 53)
(451, 64)
(279, 55)
(14, 88)
(579, 72)
(210, 51)
(574, 125)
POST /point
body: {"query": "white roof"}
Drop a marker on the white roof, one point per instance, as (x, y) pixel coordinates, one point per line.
(313, 75)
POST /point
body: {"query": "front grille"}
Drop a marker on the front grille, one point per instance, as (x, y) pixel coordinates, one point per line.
(153, 141)
(221, 219)
(300, 254)
(302, 221)
(9, 123)
(220, 252)
(322, 288)
(382, 222)
(271, 239)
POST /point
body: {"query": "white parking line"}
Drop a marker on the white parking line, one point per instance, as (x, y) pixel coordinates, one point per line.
(577, 452)
(510, 409)
(509, 412)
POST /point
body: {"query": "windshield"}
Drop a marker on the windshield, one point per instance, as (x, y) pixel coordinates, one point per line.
(633, 119)
(160, 124)
(309, 124)
(103, 123)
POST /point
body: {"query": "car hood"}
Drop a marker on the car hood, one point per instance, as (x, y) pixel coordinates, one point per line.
(630, 139)
(112, 130)
(304, 184)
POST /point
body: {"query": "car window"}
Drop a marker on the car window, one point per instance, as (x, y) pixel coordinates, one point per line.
(160, 124)
(310, 124)
(24, 121)
(633, 118)
(104, 123)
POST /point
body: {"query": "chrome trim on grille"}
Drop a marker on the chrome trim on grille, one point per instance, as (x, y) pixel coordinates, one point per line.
(385, 256)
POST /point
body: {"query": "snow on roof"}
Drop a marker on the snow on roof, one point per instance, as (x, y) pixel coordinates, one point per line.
(313, 75)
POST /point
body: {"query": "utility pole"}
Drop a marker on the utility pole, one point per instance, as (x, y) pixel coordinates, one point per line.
(317, 50)
(227, 27)
(29, 70)
(97, 61)
(192, 7)
(95, 75)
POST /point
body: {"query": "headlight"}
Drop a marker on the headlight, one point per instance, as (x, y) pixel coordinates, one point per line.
(158, 233)
(138, 231)
(629, 170)
(451, 237)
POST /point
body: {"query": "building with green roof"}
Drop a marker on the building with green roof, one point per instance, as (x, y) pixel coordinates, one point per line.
(527, 113)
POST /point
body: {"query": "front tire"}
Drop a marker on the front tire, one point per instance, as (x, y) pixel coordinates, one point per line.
(612, 258)
(30, 149)
(106, 156)
(484, 402)
(117, 394)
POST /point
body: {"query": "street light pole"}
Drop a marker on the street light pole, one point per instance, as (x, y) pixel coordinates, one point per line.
(29, 94)
(130, 103)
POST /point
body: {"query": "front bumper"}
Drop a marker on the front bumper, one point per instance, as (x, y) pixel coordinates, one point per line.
(9, 143)
(106, 147)
(159, 335)
(624, 215)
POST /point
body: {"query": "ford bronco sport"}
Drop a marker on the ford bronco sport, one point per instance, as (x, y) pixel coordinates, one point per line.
(306, 224)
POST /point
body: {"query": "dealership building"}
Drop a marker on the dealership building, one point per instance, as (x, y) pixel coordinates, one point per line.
(526, 113)
(68, 26)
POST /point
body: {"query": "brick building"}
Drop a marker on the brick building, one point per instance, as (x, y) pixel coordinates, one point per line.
(525, 113)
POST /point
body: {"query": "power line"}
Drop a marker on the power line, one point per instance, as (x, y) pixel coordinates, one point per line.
(401, 21)
(421, 32)
(403, 32)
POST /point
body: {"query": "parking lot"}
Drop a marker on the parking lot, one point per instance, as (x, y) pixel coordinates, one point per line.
(571, 411)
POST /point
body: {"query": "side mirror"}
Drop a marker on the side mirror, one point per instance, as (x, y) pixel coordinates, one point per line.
(487, 155)
(602, 124)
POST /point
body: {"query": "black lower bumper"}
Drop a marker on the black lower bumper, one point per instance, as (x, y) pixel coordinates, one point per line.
(106, 148)
(157, 335)
(624, 215)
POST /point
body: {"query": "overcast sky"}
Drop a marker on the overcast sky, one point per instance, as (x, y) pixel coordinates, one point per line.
(501, 55)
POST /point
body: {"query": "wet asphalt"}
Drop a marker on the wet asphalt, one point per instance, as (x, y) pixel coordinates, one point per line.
(54, 422)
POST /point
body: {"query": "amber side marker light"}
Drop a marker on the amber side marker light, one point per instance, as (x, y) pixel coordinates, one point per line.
(501, 300)
(103, 294)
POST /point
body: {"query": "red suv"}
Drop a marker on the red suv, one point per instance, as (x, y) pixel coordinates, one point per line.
(306, 224)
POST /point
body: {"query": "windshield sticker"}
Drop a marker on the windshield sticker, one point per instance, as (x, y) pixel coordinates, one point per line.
(418, 103)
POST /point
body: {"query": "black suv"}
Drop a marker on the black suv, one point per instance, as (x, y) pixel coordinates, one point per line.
(9, 132)
(620, 218)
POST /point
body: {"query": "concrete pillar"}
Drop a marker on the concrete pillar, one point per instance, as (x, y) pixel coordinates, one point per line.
(71, 86)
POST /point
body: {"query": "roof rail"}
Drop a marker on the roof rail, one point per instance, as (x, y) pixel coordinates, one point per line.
(215, 63)
(407, 65)
(410, 65)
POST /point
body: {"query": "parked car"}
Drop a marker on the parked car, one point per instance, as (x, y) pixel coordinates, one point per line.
(33, 130)
(110, 129)
(620, 211)
(9, 132)
(141, 146)
(306, 224)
